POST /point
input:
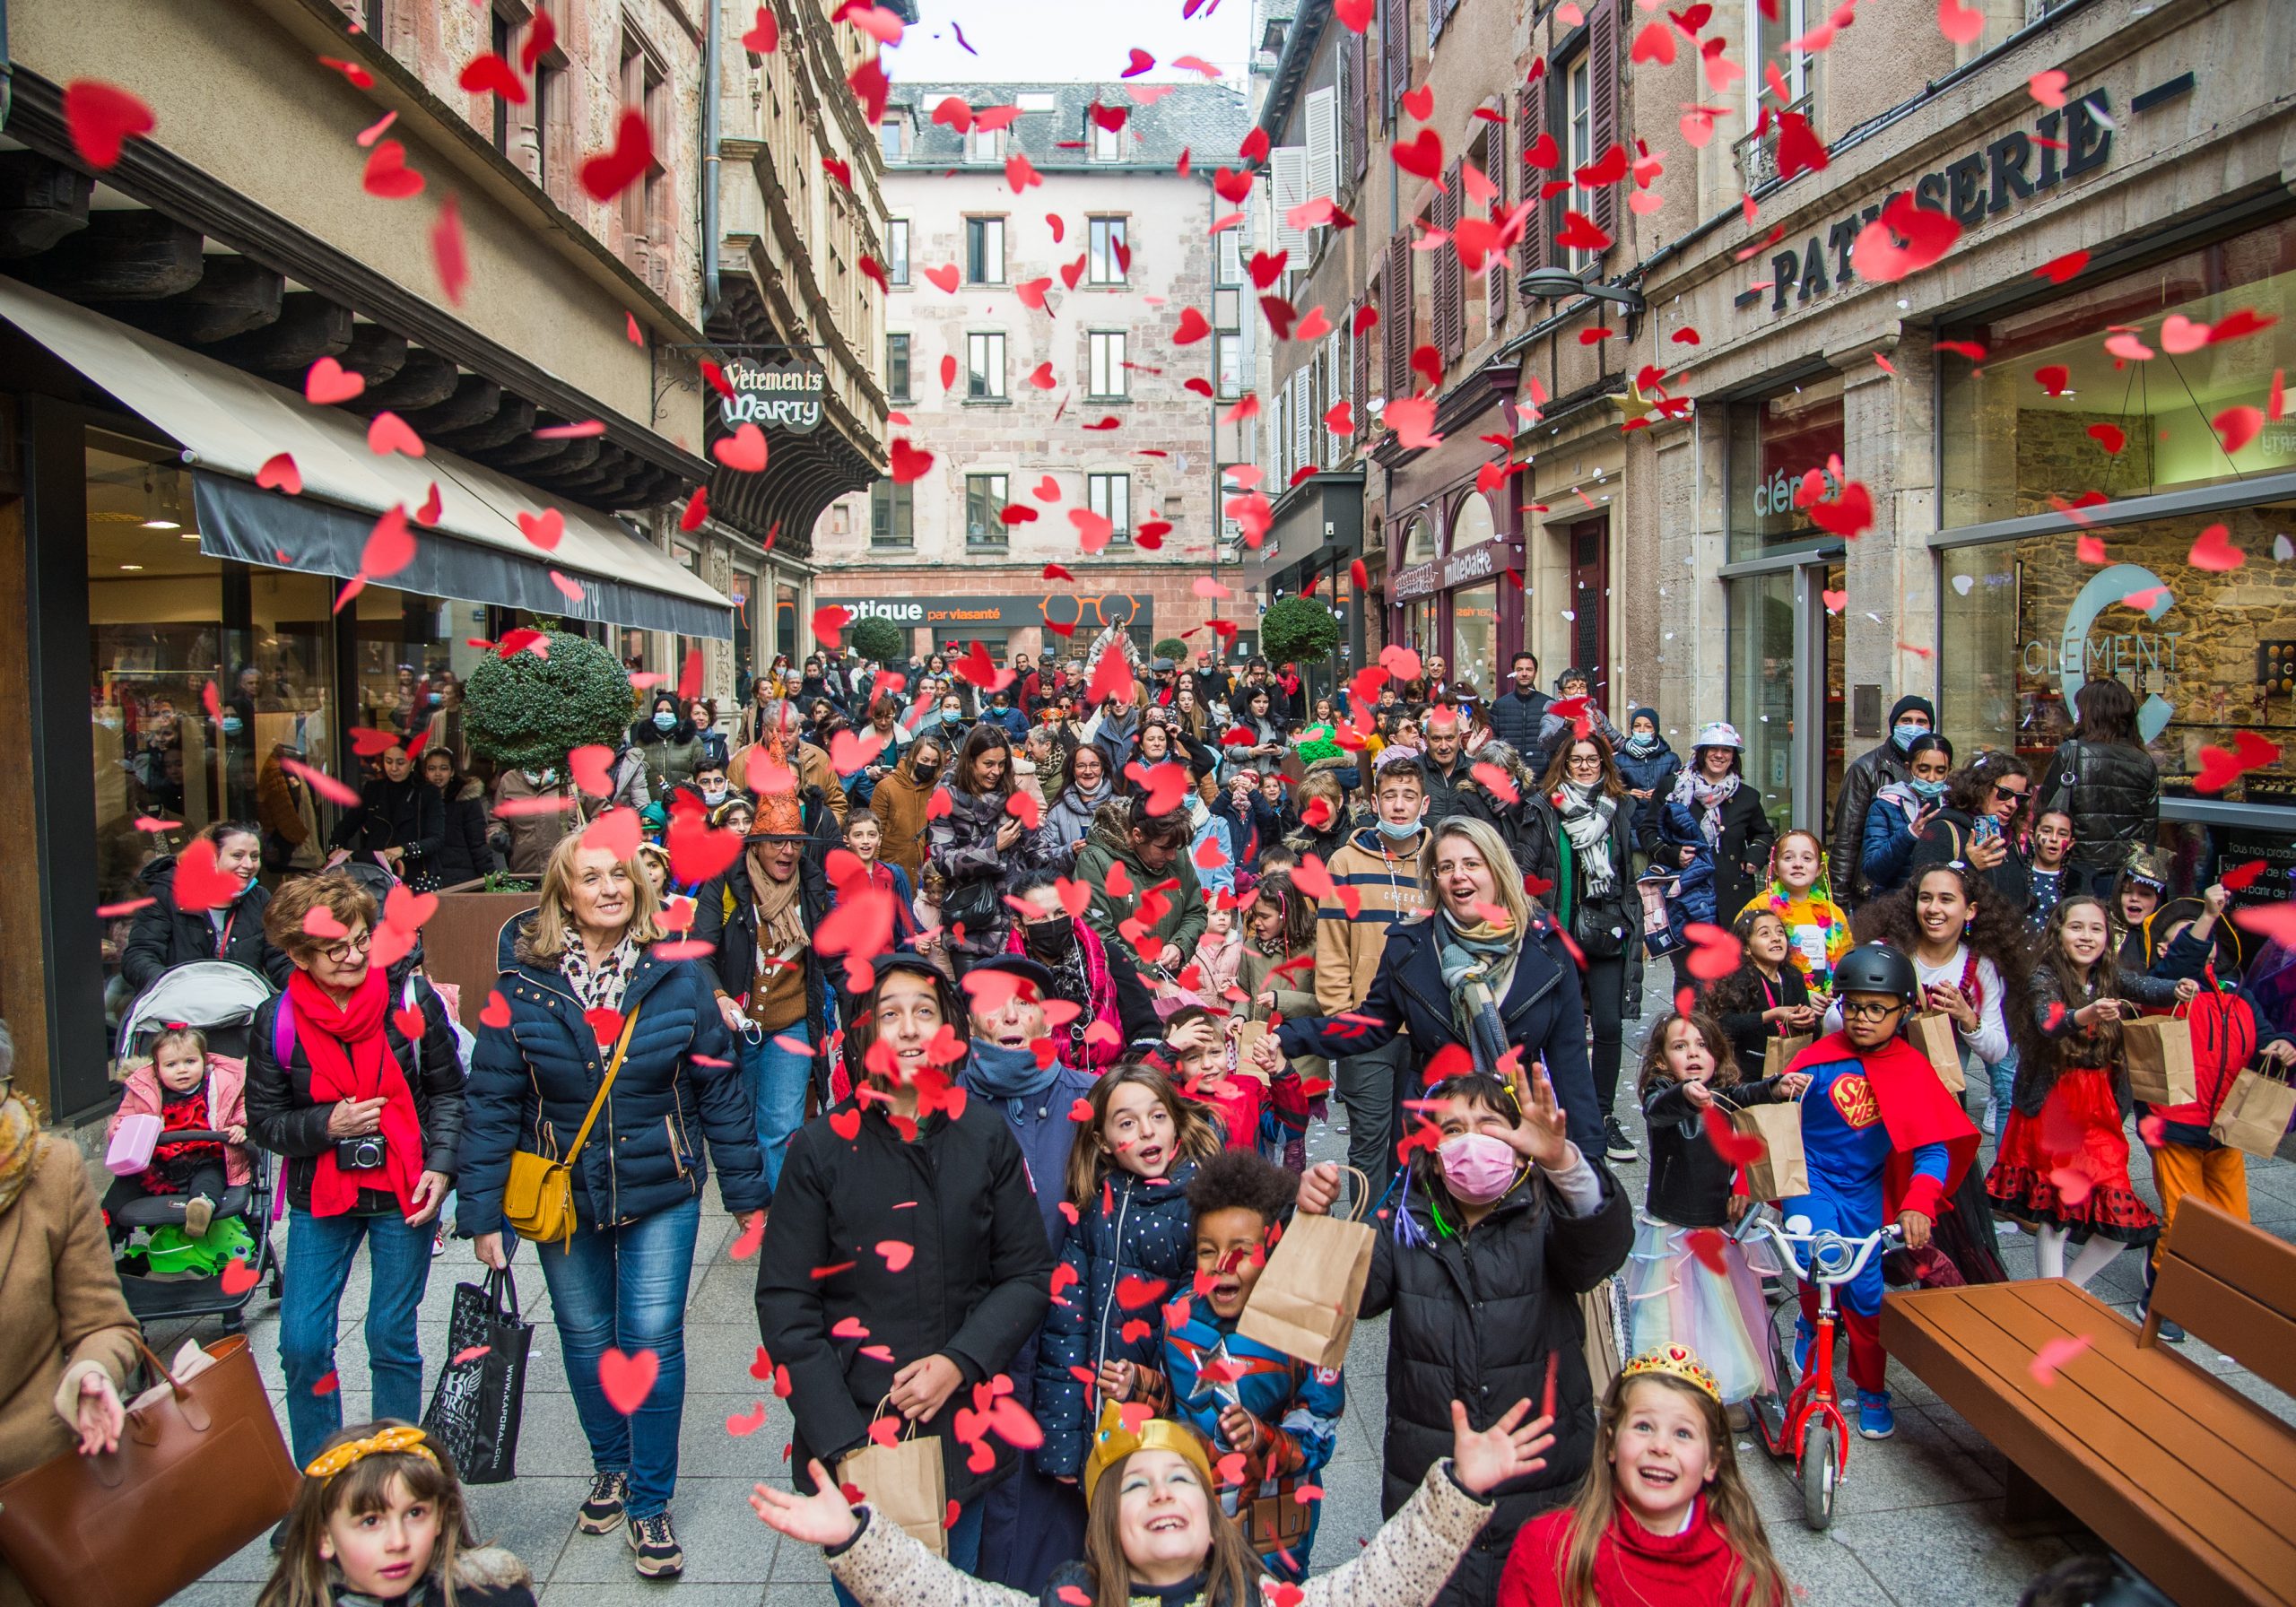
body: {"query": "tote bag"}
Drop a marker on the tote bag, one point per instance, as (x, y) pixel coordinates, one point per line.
(480, 1400)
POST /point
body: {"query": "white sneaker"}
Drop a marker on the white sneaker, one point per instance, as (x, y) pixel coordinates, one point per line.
(1992, 1116)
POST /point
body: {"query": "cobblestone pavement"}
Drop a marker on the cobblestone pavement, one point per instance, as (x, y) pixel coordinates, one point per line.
(1918, 1516)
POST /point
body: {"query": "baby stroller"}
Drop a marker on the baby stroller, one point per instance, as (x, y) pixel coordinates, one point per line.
(219, 998)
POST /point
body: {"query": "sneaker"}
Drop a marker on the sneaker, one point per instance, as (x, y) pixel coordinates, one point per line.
(1876, 1420)
(1805, 1336)
(658, 1554)
(602, 1513)
(438, 1244)
(1992, 1116)
(199, 1215)
(1616, 1145)
(2171, 1332)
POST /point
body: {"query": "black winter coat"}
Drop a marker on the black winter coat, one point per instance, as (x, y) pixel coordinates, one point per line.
(1475, 1316)
(1867, 774)
(163, 937)
(463, 856)
(1690, 1182)
(1656, 776)
(1545, 825)
(1540, 1013)
(282, 1118)
(678, 1084)
(975, 1290)
(1141, 1232)
(2113, 793)
(1746, 836)
(1515, 719)
(407, 814)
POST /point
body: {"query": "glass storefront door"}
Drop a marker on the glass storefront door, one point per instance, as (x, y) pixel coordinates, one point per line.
(1786, 690)
(1474, 634)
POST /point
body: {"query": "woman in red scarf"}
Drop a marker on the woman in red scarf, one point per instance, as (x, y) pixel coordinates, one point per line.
(369, 1115)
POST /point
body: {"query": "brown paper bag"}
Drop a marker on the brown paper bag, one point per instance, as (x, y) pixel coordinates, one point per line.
(1240, 1063)
(1778, 1053)
(1308, 1294)
(1784, 1171)
(2254, 1116)
(903, 1482)
(1931, 1032)
(2159, 1048)
(1598, 1309)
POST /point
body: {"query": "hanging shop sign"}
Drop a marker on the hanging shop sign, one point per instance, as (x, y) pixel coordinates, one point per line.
(784, 395)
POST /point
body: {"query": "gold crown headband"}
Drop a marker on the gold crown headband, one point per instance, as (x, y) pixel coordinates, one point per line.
(400, 1438)
(1113, 1442)
(1675, 1361)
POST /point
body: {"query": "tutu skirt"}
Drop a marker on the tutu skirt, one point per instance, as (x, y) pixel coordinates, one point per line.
(2068, 1167)
(1674, 1298)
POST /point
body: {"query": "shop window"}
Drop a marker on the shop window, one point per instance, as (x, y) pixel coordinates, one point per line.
(785, 602)
(1419, 542)
(984, 365)
(1761, 687)
(984, 250)
(893, 516)
(1109, 256)
(897, 368)
(985, 498)
(1110, 496)
(1775, 441)
(2050, 414)
(1475, 635)
(2207, 653)
(1109, 372)
(896, 251)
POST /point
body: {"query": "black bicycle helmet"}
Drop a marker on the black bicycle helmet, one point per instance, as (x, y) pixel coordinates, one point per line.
(1877, 968)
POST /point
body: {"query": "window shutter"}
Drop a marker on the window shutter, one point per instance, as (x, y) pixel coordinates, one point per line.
(1495, 286)
(1395, 54)
(1395, 317)
(1303, 418)
(1451, 277)
(1354, 98)
(1602, 67)
(1288, 168)
(1530, 122)
(1360, 392)
(1322, 121)
(1278, 440)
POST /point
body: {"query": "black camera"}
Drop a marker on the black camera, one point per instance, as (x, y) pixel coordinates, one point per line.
(361, 1154)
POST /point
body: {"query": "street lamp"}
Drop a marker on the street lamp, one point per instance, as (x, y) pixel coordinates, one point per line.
(1556, 284)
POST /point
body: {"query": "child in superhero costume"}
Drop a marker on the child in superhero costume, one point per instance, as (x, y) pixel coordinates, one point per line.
(1886, 1143)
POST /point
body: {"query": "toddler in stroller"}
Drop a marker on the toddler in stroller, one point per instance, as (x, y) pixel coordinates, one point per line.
(170, 1205)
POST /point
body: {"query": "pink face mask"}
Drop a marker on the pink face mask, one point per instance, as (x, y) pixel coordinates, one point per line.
(1476, 1167)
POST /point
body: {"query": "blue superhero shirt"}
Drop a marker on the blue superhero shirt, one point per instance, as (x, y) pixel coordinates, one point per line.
(1848, 1149)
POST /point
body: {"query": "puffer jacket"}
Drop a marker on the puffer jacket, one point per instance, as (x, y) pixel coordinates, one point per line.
(2228, 1027)
(1475, 1314)
(1888, 847)
(670, 757)
(1867, 774)
(1654, 774)
(282, 1118)
(1517, 719)
(1512, 820)
(1182, 923)
(1127, 1254)
(1746, 836)
(163, 937)
(678, 1084)
(2113, 793)
(463, 856)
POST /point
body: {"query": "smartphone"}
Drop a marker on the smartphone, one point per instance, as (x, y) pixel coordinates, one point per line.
(1989, 826)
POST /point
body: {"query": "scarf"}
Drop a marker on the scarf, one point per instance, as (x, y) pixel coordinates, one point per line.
(20, 1145)
(996, 1072)
(1081, 976)
(1817, 929)
(1478, 962)
(1704, 799)
(780, 922)
(1587, 814)
(599, 987)
(351, 1059)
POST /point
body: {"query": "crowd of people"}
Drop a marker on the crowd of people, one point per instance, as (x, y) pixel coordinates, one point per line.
(1023, 1156)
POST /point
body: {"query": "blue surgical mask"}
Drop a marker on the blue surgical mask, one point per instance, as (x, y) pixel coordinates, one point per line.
(1394, 833)
(233, 724)
(664, 719)
(1930, 790)
(1903, 734)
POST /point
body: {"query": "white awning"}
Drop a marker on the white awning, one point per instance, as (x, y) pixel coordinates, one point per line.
(231, 423)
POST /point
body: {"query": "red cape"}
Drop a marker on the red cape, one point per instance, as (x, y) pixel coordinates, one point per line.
(1916, 1109)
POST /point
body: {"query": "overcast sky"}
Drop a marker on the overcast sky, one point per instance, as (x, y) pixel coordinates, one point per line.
(1068, 40)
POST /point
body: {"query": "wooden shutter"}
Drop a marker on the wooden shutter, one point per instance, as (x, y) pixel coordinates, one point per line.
(1287, 187)
(1530, 122)
(1449, 277)
(1322, 120)
(1602, 78)
(1395, 317)
(1354, 98)
(1395, 54)
(1303, 418)
(1359, 391)
(1495, 288)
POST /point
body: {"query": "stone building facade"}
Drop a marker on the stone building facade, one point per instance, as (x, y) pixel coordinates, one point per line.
(1039, 270)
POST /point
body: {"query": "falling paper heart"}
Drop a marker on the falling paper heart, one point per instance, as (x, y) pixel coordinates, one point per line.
(545, 532)
(626, 1381)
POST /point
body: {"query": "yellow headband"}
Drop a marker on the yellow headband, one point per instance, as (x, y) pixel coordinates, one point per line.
(1113, 1442)
(1675, 1361)
(401, 1438)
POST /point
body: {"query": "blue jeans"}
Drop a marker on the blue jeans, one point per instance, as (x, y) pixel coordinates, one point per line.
(624, 1289)
(777, 1078)
(2004, 1075)
(318, 1265)
(964, 1548)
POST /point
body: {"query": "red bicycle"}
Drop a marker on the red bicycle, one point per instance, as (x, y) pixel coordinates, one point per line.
(1808, 1423)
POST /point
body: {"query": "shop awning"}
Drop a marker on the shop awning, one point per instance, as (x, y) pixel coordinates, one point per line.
(231, 423)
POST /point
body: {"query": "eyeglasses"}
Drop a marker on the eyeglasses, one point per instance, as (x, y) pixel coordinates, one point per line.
(341, 953)
(1869, 1010)
(1592, 761)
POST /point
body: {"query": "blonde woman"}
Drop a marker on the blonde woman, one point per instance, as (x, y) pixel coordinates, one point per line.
(577, 977)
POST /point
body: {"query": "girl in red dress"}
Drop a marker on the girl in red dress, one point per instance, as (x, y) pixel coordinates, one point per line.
(2062, 1169)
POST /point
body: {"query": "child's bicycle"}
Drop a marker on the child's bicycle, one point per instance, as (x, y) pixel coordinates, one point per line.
(1808, 1422)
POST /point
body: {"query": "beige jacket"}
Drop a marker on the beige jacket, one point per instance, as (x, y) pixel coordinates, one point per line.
(65, 1317)
(813, 768)
(1348, 947)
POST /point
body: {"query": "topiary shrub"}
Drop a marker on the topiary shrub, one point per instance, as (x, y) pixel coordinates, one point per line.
(1298, 630)
(528, 711)
(880, 641)
(1170, 648)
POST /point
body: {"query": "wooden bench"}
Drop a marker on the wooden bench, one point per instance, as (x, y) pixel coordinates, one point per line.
(2190, 1480)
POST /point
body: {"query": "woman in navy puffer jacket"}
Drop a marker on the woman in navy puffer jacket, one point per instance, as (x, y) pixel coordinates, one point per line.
(1648, 765)
(1127, 1253)
(579, 980)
